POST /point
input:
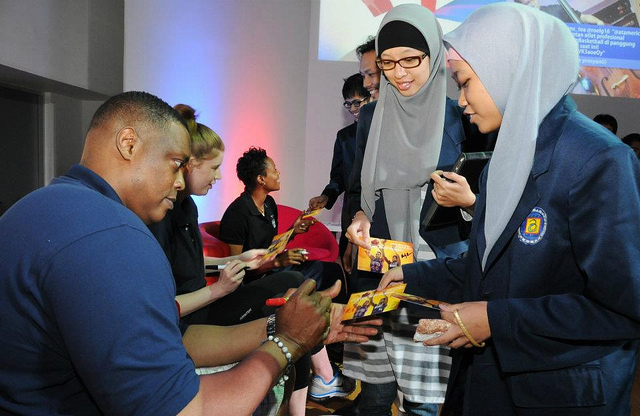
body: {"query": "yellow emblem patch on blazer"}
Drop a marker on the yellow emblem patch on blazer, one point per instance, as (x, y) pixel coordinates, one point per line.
(533, 228)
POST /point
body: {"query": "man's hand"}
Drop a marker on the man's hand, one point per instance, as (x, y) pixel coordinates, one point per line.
(393, 277)
(230, 277)
(303, 320)
(358, 232)
(454, 191)
(318, 202)
(253, 258)
(353, 332)
(475, 319)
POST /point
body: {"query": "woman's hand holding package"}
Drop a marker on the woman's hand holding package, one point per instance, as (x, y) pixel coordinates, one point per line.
(302, 225)
(290, 257)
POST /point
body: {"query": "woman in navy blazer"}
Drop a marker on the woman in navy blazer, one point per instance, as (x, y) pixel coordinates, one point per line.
(546, 317)
(453, 143)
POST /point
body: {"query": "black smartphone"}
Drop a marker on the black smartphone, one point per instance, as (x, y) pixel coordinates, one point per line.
(469, 165)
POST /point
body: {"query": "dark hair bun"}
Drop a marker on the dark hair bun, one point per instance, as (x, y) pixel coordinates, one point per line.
(187, 112)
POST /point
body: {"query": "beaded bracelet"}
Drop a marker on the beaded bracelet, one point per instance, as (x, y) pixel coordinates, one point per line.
(287, 355)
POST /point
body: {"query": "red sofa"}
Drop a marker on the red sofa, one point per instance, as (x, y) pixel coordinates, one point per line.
(318, 241)
(213, 246)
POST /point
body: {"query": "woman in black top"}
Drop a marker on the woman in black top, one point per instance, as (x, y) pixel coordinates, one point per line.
(227, 301)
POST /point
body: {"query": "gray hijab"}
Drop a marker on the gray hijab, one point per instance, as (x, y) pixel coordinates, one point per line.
(527, 61)
(404, 140)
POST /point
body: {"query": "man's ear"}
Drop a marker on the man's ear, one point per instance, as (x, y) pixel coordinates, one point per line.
(127, 142)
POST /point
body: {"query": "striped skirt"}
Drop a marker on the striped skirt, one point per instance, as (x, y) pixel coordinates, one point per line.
(392, 356)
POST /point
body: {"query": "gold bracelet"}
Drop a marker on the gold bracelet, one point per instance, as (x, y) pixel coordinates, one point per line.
(465, 332)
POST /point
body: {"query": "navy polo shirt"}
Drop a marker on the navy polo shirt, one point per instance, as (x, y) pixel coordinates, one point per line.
(89, 324)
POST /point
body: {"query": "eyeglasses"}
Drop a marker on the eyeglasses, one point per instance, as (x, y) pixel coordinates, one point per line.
(408, 62)
(354, 103)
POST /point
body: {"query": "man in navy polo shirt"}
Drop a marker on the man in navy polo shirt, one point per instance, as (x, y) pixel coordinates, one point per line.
(89, 324)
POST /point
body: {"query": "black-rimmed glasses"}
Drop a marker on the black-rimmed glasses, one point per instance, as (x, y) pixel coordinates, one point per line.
(353, 103)
(407, 63)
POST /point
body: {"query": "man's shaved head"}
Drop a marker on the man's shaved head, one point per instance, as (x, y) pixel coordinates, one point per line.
(136, 106)
(138, 144)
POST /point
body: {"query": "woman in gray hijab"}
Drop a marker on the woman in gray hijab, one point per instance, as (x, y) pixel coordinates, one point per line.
(545, 307)
(411, 130)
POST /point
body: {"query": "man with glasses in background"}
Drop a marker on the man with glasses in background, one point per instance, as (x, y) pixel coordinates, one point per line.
(355, 95)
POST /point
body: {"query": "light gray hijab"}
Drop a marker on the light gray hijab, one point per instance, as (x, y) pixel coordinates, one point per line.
(404, 140)
(527, 61)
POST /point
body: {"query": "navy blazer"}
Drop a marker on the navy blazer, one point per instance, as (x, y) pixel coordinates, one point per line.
(341, 165)
(344, 150)
(445, 242)
(562, 282)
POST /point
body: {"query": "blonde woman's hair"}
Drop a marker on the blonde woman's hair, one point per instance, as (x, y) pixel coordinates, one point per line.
(205, 143)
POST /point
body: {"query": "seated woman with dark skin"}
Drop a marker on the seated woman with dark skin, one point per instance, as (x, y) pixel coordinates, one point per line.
(250, 222)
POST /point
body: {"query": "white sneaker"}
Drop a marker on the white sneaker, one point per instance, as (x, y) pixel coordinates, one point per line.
(339, 386)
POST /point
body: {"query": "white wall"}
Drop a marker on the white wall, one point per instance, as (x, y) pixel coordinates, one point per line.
(325, 115)
(242, 64)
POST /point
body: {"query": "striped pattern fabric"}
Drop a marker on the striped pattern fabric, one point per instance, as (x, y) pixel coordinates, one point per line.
(421, 372)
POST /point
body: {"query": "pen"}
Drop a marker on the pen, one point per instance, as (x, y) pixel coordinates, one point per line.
(221, 267)
(215, 266)
(276, 301)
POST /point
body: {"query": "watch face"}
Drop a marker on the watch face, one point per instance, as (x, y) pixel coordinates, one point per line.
(271, 324)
